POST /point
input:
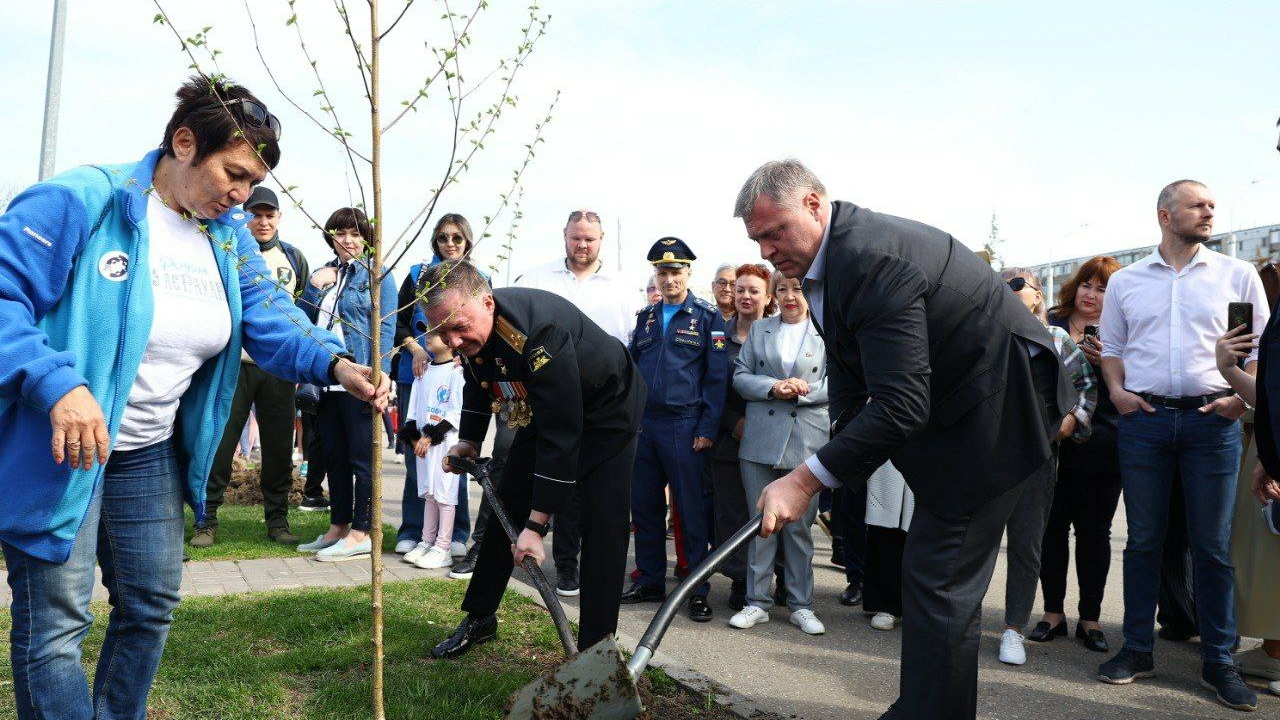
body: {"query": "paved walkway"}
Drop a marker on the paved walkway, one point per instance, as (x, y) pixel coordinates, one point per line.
(848, 674)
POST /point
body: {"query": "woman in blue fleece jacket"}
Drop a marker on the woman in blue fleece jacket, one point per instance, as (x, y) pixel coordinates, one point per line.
(126, 295)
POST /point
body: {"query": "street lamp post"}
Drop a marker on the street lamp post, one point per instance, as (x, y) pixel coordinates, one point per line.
(53, 87)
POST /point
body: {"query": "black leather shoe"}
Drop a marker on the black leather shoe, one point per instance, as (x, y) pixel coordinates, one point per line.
(1092, 639)
(638, 593)
(699, 610)
(851, 596)
(1043, 632)
(738, 595)
(472, 631)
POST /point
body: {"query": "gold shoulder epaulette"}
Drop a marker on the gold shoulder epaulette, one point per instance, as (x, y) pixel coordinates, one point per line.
(508, 332)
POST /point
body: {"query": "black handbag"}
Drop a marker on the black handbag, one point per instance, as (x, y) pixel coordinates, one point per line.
(307, 398)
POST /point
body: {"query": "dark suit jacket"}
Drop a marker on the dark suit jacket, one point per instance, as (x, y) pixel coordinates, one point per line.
(925, 364)
(1266, 420)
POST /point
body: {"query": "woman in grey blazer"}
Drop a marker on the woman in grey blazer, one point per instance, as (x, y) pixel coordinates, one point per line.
(782, 373)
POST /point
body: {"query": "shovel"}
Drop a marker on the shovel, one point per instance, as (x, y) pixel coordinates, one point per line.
(598, 684)
(479, 469)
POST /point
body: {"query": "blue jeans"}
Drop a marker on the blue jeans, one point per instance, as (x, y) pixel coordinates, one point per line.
(134, 530)
(410, 504)
(1206, 448)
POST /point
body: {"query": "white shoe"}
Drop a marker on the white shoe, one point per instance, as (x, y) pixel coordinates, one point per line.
(885, 621)
(1011, 650)
(457, 549)
(434, 558)
(808, 622)
(749, 617)
(1274, 687)
(1258, 663)
(318, 544)
(398, 459)
(343, 550)
(405, 546)
(418, 551)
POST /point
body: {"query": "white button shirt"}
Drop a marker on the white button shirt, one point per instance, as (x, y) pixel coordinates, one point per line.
(1164, 324)
(603, 298)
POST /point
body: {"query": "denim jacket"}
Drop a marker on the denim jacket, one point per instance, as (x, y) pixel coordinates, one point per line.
(353, 311)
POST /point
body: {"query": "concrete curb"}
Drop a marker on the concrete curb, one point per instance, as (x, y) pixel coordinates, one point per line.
(686, 677)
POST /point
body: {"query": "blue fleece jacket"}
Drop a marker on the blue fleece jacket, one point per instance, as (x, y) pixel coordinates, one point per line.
(76, 309)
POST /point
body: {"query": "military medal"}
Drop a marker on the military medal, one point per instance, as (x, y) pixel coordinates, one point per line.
(511, 404)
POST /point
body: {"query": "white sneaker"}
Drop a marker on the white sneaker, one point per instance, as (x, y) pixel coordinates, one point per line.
(398, 459)
(1274, 687)
(808, 622)
(885, 621)
(1258, 663)
(457, 549)
(1011, 650)
(418, 551)
(434, 558)
(749, 617)
(405, 546)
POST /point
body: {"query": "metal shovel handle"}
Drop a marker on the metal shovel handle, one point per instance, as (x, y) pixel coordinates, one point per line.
(480, 471)
(662, 620)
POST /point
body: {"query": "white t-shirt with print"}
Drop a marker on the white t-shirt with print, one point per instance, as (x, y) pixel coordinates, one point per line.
(436, 396)
(191, 323)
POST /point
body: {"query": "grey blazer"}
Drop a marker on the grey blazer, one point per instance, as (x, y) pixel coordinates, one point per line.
(781, 433)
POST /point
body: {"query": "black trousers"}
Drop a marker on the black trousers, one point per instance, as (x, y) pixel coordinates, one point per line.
(345, 427)
(1176, 604)
(566, 537)
(605, 493)
(1086, 501)
(497, 464)
(314, 452)
(729, 502)
(849, 528)
(273, 399)
(882, 581)
(946, 567)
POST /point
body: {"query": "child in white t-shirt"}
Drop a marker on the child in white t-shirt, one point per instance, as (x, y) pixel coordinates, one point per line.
(431, 427)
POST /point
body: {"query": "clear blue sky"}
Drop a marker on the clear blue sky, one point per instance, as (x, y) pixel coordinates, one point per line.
(1065, 119)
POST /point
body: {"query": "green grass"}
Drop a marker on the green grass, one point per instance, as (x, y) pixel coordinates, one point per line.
(305, 655)
(242, 534)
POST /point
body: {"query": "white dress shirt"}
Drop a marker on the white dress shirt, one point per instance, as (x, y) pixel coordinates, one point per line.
(1164, 323)
(603, 298)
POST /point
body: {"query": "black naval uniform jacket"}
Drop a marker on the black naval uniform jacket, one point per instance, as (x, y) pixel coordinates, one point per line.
(575, 377)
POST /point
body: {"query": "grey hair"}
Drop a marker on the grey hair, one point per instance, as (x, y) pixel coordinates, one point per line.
(1010, 273)
(778, 180)
(726, 266)
(1170, 193)
(451, 275)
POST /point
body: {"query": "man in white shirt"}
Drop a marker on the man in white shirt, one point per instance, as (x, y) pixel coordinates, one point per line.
(580, 278)
(1161, 320)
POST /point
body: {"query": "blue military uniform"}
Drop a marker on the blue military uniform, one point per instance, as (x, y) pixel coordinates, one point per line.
(685, 367)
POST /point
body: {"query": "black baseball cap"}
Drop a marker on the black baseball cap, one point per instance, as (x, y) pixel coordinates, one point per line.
(262, 196)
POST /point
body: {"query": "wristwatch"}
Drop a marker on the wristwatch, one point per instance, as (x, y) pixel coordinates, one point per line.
(1244, 402)
(541, 528)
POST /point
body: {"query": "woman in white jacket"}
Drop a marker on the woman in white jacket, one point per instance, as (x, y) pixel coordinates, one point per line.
(890, 504)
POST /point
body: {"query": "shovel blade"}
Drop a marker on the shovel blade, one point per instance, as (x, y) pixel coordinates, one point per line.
(595, 684)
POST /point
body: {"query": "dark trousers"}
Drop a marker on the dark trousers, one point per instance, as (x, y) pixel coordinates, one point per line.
(1086, 501)
(273, 399)
(566, 537)
(1176, 603)
(946, 567)
(604, 491)
(497, 469)
(665, 457)
(849, 528)
(345, 427)
(729, 502)
(882, 582)
(314, 452)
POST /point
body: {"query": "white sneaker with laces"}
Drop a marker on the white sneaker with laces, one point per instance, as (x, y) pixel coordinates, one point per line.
(749, 617)
(457, 549)
(405, 546)
(418, 551)
(1011, 650)
(808, 622)
(885, 621)
(434, 558)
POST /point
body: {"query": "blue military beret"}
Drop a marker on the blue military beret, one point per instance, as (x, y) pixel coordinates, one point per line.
(671, 252)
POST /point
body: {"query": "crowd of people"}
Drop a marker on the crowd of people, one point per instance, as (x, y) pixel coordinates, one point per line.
(625, 419)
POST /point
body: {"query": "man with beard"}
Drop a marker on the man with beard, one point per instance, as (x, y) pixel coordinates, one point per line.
(1159, 324)
(580, 277)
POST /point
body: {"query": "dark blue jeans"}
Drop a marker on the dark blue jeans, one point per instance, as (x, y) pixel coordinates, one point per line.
(1206, 449)
(134, 530)
(410, 504)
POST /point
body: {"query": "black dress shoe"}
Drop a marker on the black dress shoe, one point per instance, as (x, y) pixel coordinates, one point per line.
(851, 596)
(638, 593)
(1043, 632)
(699, 610)
(472, 631)
(738, 595)
(1092, 639)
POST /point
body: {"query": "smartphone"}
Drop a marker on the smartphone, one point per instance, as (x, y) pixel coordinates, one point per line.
(1092, 331)
(1240, 313)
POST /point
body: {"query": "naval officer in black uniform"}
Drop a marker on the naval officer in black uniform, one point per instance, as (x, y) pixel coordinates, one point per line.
(543, 367)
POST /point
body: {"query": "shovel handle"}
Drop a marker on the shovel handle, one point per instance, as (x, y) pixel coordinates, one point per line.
(480, 471)
(662, 620)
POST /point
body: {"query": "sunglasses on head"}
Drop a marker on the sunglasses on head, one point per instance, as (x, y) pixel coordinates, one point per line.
(1017, 283)
(256, 115)
(577, 215)
(450, 239)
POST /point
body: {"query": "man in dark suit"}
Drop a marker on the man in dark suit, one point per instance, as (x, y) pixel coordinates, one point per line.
(548, 371)
(932, 364)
